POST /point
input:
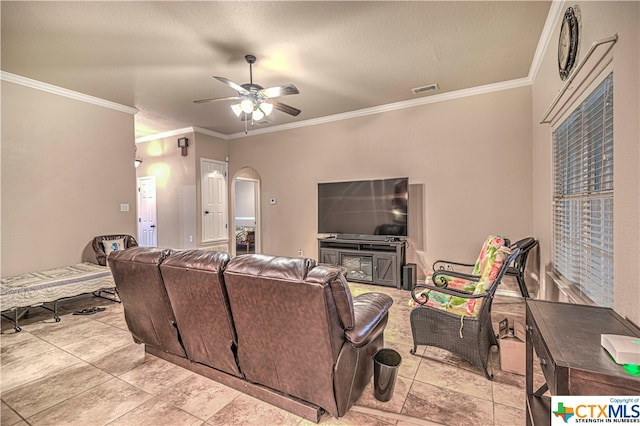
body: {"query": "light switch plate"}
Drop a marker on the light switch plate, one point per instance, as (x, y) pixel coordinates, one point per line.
(124, 207)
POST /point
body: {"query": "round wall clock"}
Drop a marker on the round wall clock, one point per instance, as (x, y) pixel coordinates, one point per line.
(568, 42)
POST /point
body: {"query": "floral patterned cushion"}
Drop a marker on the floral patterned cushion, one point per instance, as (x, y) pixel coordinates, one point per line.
(490, 261)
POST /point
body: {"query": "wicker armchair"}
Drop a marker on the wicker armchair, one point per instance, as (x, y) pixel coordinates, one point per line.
(520, 263)
(453, 309)
(470, 268)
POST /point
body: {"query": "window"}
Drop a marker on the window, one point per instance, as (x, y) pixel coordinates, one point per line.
(583, 195)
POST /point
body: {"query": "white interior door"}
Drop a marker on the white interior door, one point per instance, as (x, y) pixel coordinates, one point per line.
(147, 223)
(215, 222)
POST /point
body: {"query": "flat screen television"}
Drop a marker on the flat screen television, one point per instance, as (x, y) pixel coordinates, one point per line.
(363, 208)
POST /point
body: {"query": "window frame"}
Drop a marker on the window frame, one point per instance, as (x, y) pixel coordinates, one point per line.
(592, 292)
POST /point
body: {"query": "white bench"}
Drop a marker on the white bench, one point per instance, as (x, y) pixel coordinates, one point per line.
(39, 288)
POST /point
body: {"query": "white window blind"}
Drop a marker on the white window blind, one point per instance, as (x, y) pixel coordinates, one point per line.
(583, 195)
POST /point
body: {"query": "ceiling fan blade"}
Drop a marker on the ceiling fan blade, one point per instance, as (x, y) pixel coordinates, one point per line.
(285, 108)
(233, 85)
(276, 91)
(228, 98)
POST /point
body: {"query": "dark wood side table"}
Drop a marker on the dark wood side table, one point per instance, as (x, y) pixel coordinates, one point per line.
(566, 339)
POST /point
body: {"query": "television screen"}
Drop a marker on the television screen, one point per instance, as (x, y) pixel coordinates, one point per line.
(368, 207)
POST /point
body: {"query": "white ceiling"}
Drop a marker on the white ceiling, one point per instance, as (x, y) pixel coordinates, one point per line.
(343, 56)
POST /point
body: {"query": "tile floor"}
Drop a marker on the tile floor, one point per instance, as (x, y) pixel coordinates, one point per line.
(86, 370)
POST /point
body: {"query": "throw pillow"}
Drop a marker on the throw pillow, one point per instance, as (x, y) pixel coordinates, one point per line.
(113, 245)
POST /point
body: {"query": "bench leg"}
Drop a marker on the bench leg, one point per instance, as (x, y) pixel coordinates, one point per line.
(54, 310)
(15, 318)
(113, 292)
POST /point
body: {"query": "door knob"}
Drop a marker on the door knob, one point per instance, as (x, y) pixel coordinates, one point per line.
(206, 212)
(152, 226)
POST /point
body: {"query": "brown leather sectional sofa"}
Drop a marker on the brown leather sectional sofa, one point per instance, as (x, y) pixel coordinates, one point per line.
(284, 330)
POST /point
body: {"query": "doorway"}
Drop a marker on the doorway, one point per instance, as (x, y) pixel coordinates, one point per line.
(147, 212)
(246, 214)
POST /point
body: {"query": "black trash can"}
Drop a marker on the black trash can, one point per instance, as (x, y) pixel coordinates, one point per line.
(385, 370)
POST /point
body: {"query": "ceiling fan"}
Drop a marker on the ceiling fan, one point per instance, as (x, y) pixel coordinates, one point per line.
(256, 102)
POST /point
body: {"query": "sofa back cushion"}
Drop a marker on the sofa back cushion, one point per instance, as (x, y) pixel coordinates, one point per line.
(339, 290)
(287, 322)
(195, 285)
(147, 309)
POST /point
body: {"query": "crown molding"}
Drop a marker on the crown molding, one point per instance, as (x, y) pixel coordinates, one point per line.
(463, 93)
(210, 133)
(45, 87)
(555, 12)
(176, 132)
(167, 134)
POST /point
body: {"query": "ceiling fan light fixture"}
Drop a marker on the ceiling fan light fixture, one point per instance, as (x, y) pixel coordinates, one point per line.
(257, 114)
(247, 105)
(253, 102)
(266, 107)
(237, 109)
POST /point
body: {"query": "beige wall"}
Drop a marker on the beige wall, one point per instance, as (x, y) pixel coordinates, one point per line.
(473, 156)
(66, 168)
(178, 184)
(175, 189)
(599, 20)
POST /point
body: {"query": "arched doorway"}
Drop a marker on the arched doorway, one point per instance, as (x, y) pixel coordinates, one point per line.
(245, 214)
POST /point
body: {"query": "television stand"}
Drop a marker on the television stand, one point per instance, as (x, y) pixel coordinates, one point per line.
(370, 261)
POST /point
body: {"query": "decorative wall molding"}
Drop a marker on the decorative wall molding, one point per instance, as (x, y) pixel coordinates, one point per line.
(176, 132)
(489, 88)
(210, 133)
(50, 88)
(555, 12)
(553, 17)
(167, 134)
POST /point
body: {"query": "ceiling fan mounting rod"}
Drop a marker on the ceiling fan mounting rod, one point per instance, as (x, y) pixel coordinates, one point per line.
(250, 60)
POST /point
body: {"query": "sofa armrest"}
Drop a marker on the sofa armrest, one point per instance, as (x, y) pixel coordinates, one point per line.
(370, 315)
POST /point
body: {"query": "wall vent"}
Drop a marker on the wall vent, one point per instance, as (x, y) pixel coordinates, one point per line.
(424, 89)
